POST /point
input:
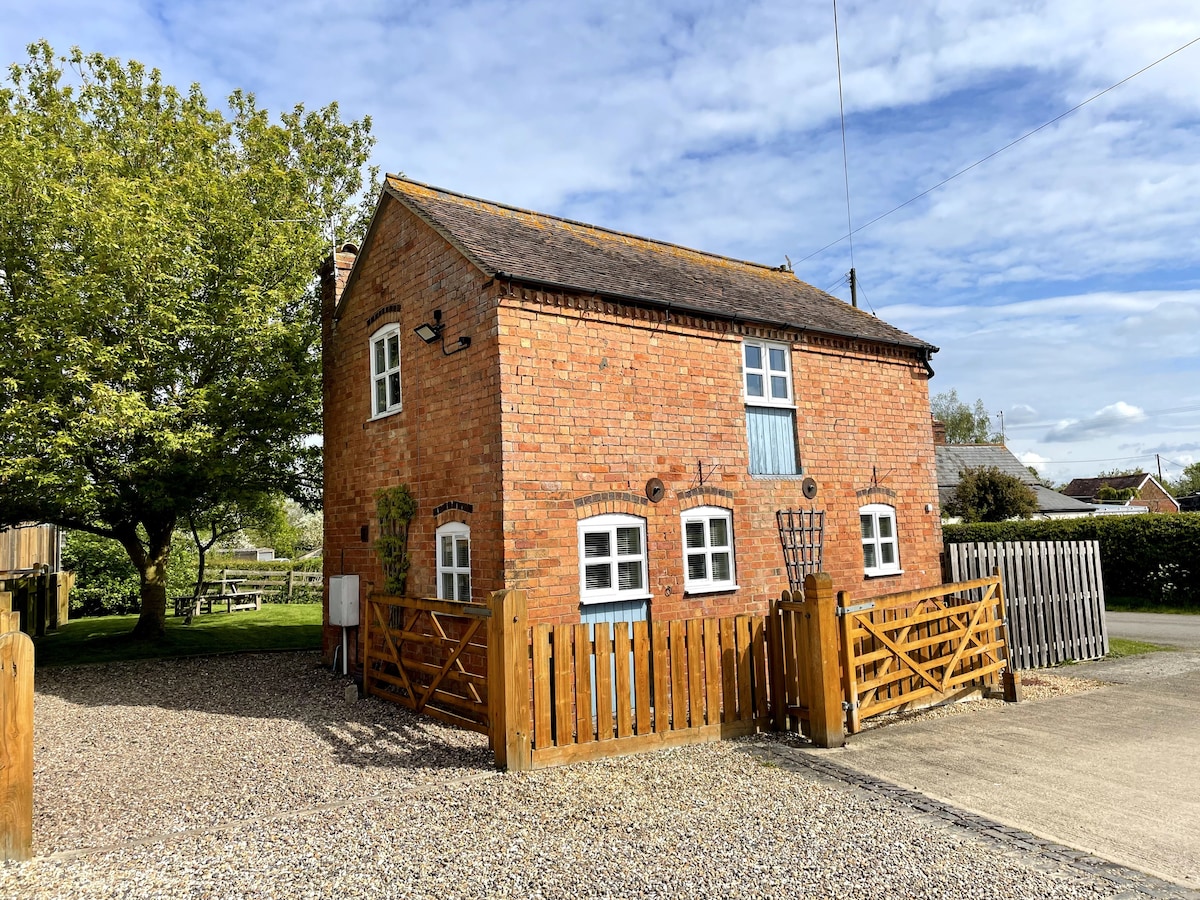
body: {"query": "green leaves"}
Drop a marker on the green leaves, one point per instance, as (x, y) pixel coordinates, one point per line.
(985, 494)
(964, 424)
(159, 321)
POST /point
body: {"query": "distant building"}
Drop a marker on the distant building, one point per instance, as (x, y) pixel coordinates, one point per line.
(1148, 493)
(953, 459)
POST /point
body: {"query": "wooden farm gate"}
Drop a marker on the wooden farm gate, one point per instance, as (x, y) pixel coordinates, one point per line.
(614, 688)
(918, 648)
(429, 655)
(1054, 592)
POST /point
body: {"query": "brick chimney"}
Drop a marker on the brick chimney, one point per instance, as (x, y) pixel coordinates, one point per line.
(334, 271)
(939, 432)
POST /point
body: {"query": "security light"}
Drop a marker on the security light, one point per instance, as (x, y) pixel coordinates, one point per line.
(430, 332)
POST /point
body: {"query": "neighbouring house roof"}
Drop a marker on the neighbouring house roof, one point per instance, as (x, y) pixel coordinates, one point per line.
(1089, 487)
(952, 459)
(543, 250)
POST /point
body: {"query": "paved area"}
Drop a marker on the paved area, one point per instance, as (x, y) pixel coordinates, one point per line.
(252, 777)
(1113, 772)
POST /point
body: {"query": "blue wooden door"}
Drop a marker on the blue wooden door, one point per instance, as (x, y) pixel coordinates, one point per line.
(605, 615)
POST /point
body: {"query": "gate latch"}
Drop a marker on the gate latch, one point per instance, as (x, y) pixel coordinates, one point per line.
(848, 705)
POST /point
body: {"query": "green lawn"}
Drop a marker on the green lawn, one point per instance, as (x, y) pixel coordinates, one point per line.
(1121, 647)
(276, 626)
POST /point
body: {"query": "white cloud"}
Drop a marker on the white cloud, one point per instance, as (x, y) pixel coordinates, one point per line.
(1055, 277)
(1110, 420)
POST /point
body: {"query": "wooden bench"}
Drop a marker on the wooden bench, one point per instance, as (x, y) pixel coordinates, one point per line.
(215, 593)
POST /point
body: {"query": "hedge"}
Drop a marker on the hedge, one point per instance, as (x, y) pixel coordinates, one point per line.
(1153, 557)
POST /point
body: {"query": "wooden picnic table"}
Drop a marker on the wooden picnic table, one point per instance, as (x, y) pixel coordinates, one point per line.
(218, 590)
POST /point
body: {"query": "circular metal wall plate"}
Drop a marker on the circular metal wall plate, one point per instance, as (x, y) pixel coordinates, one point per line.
(809, 488)
(655, 490)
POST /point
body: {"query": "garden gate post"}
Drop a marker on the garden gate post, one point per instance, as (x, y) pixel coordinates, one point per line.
(16, 746)
(508, 680)
(827, 718)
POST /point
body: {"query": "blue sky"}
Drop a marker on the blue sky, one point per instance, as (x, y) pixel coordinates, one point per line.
(1061, 279)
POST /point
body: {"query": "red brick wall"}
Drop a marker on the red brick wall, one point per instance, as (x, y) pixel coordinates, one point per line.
(1155, 499)
(560, 399)
(599, 398)
(445, 442)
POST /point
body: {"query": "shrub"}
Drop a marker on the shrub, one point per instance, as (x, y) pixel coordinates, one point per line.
(1153, 557)
(985, 494)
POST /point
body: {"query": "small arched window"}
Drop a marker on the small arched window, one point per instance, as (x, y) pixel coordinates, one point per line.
(385, 371)
(454, 561)
(881, 553)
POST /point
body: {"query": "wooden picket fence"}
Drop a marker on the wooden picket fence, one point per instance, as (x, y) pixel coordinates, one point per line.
(606, 689)
(918, 648)
(1054, 593)
(553, 694)
(42, 597)
(16, 736)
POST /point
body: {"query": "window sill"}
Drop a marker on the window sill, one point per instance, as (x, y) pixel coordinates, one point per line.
(713, 589)
(614, 598)
(882, 573)
(385, 415)
(797, 477)
(759, 402)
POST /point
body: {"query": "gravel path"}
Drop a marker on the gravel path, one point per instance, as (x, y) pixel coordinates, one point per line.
(253, 777)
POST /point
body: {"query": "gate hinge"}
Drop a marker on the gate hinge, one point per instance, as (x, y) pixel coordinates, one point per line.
(857, 607)
(847, 706)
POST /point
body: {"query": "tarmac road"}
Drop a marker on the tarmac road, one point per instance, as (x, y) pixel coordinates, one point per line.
(1112, 771)
(1172, 631)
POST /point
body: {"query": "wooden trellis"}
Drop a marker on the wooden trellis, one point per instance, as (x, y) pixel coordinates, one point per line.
(802, 534)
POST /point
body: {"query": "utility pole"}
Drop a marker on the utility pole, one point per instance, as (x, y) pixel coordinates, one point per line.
(1158, 459)
(853, 289)
(1003, 436)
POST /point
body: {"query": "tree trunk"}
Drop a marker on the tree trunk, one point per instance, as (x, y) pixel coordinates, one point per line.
(152, 567)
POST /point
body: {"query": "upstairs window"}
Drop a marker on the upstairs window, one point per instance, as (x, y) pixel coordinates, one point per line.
(770, 408)
(881, 555)
(454, 562)
(612, 559)
(708, 550)
(385, 371)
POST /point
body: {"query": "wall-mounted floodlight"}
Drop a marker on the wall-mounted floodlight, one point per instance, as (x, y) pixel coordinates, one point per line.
(430, 332)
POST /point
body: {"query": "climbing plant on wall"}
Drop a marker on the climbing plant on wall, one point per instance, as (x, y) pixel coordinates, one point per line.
(396, 508)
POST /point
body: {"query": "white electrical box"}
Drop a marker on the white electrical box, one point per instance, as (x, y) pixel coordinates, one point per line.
(343, 600)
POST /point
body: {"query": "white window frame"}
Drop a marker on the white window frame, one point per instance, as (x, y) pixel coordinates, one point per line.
(767, 372)
(380, 339)
(456, 532)
(878, 511)
(705, 515)
(609, 524)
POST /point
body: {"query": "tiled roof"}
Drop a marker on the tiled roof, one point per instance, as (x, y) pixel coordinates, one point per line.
(953, 458)
(548, 251)
(1089, 487)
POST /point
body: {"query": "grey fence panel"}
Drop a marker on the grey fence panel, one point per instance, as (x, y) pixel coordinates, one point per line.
(1053, 594)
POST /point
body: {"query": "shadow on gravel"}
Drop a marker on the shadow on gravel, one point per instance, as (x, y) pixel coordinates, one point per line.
(289, 686)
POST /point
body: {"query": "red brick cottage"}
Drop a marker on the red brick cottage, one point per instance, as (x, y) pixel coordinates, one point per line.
(570, 366)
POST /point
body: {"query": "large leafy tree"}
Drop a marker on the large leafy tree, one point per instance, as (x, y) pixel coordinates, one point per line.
(158, 324)
(965, 424)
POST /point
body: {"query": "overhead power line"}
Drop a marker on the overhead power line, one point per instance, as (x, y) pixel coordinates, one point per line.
(853, 231)
(1145, 414)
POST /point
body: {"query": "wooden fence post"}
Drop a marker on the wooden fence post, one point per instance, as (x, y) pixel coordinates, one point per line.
(508, 680)
(827, 720)
(16, 746)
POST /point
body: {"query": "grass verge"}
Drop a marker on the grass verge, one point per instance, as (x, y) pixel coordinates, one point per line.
(107, 638)
(1137, 604)
(1118, 648)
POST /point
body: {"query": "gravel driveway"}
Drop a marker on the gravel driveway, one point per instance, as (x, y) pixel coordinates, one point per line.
(251, 776)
